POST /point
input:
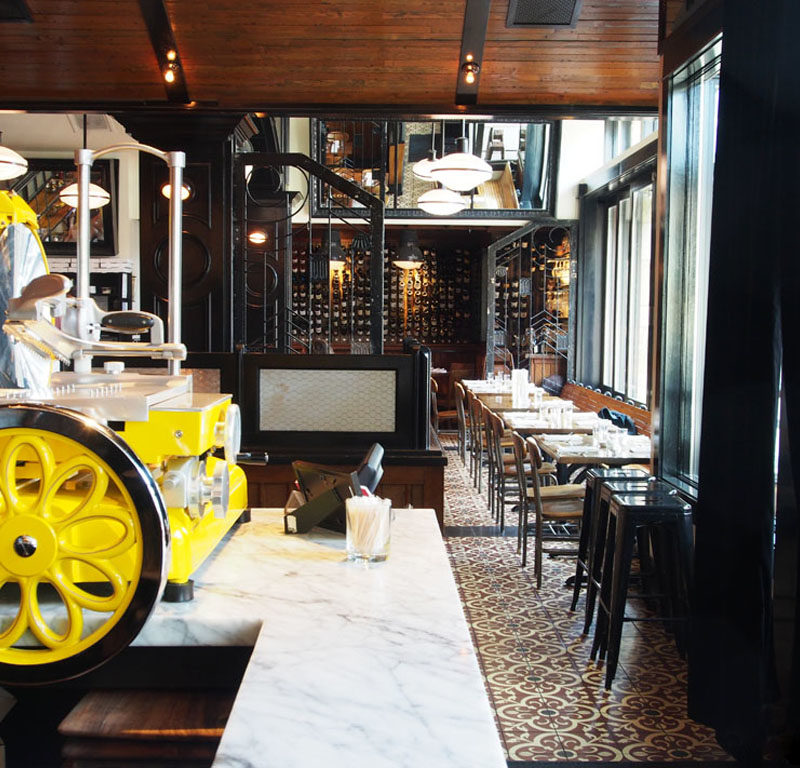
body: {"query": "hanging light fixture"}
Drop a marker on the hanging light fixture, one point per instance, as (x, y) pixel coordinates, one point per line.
(441, 202)
(332, 246)
(422, 168)
(409, 255)
(461, 170)
(12, 164)
(98, 197)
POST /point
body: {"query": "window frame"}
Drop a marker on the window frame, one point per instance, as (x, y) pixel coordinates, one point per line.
(680, 378)
(605, 189)
(318, 209)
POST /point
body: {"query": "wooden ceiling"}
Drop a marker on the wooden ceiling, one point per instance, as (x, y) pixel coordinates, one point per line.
(316, 54)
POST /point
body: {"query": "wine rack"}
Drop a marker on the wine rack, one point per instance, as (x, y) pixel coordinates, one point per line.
(531, 296)
(436, 303)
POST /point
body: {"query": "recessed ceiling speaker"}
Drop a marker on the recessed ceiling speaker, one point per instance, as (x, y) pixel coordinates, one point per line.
(543, 13)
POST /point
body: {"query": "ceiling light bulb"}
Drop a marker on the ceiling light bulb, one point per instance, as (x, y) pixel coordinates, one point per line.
(469, 57)
(12, 164)
(171, 55)
(169, 76)
(257, 237)
(470, 70)
(98, 197)
(441, 202)
(166, 190)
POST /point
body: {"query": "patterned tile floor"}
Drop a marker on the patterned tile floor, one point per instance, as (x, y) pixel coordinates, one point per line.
(548, 696)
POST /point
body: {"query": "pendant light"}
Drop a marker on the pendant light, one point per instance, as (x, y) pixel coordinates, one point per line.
(98, 197)
(441, 202)
(461, 170)
(332, 246)
(422, 168)
(409, 255)
(12, 164)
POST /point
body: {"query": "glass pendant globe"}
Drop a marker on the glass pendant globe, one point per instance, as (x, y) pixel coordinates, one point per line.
(461, 170)
(98, 197)
(12, 164)
(422, 168)
(441, 202)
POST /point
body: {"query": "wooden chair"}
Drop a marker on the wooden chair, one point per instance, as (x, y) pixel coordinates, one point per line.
(504, 477)
(436, 414)
(476, 439)
(553, 506)
(462, 417)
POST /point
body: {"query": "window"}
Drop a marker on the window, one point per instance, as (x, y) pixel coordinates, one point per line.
(624, 132)
(626, 292)
(691, 147)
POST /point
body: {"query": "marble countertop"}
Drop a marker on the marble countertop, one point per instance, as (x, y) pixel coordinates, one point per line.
(353, 664)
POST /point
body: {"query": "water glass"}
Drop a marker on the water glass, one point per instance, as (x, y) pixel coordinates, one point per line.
(369, 528)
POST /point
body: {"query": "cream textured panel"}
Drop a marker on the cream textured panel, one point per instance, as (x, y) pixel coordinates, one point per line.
(326, 401)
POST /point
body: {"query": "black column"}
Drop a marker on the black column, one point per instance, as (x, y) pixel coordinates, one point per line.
(754, 251)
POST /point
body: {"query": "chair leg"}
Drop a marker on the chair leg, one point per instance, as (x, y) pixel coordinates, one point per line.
(525, 536)
(600, 642)
(623, 554)
(537, 566)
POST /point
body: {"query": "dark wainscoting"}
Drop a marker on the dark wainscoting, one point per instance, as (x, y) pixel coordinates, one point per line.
(410, 478)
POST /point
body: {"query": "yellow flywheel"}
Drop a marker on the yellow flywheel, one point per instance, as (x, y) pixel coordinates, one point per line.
(84, 544)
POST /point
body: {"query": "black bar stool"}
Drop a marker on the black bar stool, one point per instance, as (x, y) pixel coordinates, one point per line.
(594, 476)
(605, 489)
(627, 513)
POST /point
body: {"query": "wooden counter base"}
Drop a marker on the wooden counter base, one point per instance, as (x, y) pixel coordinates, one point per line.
(406, 485)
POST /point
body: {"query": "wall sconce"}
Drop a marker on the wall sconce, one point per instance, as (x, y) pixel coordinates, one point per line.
(186, 191)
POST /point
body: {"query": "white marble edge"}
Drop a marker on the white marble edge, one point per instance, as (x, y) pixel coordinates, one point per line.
(352, 664)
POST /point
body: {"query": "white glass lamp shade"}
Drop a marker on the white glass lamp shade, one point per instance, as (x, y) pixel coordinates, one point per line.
(98, 197)
(441, 202)
(422, 168)
(12, 164)
(461, 170)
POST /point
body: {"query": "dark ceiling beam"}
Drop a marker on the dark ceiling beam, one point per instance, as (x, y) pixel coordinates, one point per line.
(470, 60)
(165, 48)
(15, 11)
(519, 113)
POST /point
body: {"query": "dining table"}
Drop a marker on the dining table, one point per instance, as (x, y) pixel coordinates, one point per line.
(574, 453)
(541, 422)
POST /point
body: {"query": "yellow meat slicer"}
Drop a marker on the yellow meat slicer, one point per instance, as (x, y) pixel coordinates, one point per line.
(112, 489)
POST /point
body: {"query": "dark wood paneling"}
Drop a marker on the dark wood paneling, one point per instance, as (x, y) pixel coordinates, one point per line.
(423, 487)
(206, 325)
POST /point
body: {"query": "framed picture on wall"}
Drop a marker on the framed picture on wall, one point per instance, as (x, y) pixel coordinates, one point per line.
(58, 222)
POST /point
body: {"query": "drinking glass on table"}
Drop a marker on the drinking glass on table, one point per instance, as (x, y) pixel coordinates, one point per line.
(615, 439)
